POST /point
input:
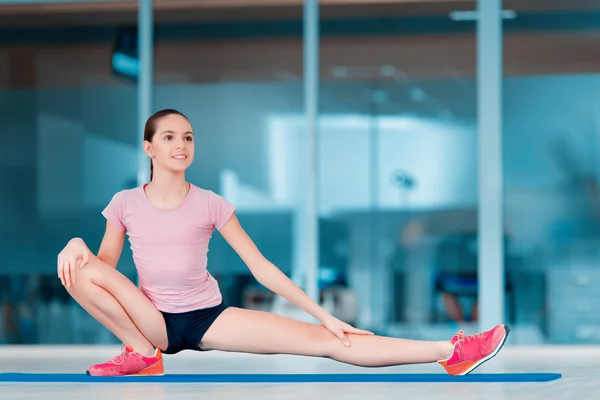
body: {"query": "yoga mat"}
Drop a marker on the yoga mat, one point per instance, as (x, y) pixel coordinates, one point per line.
(281, 378)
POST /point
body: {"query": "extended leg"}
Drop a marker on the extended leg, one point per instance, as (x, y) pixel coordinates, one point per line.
(265, 333)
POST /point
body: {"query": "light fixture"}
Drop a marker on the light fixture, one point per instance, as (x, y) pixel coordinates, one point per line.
(461, 16)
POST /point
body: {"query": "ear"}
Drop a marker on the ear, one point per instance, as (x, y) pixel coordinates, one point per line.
(148, 149)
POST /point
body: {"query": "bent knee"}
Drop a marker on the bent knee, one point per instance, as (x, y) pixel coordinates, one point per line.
(79, 283)
(85, 276)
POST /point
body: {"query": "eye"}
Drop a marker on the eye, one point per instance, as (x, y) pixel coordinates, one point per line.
(189, 138)
(168, 137)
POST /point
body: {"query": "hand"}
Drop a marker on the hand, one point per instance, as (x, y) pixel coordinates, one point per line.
(75, 254)
(339, 329)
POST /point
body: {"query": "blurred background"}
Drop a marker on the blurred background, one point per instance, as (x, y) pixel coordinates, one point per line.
(397, 198)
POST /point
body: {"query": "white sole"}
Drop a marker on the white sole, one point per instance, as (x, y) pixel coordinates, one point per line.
(125, 376)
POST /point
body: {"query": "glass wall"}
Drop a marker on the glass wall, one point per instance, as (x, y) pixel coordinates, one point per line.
(398, 169)
(68, 144)
(551, 174)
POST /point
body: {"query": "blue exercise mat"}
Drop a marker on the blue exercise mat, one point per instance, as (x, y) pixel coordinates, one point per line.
(281, 378)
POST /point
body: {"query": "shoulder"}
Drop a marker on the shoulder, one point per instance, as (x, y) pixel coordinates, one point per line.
(215, 207)
(128, 199)
(207, 195)
(199, 191)
(127, 194)
(117, 210)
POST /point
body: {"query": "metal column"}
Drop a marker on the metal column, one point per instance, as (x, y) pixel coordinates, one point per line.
(145, 55)
(311, 107)
(489, 103)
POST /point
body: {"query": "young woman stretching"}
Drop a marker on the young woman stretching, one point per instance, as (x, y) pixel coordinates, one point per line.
(178, 304)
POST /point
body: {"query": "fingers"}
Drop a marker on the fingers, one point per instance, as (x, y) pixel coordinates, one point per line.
(73, 262)
(356, 331)
(60, 269)
(343, 338)
(67, 266)
(85, 259)
(66, 273)
(351, 330)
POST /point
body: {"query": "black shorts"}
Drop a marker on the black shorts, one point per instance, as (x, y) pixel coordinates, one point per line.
(186, 330)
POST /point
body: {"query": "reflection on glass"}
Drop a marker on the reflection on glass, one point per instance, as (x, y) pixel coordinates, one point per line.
(550, 173)
(398, 175)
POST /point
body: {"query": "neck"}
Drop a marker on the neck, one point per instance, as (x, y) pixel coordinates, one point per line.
(167, 184)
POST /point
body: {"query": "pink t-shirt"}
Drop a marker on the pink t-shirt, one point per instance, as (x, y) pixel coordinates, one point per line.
(170, 246)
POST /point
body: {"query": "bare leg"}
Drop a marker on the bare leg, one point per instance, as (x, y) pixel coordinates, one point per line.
(120, 306)
(265, 333)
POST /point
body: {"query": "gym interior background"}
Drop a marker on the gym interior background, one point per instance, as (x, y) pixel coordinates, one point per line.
(366, 181)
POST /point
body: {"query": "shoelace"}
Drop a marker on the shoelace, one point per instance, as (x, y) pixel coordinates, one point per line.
(118, 360)
(461, 334)
(461, 344)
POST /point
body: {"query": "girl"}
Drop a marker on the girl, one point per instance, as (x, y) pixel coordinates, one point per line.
(178, 304)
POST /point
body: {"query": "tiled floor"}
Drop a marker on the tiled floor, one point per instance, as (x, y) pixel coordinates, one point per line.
(579, 366)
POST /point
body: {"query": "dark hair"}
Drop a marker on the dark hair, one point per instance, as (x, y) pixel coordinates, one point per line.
(150, 128)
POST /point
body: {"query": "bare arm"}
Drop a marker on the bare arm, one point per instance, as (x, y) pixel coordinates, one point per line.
(112, 245)
(265, 272)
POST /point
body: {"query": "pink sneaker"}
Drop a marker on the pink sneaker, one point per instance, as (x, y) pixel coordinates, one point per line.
(130, 362)
(472, 351)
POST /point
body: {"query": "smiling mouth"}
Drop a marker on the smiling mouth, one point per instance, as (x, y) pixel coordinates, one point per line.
(179, 157)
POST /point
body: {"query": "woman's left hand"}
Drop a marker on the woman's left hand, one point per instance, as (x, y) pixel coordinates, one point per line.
(339, 329)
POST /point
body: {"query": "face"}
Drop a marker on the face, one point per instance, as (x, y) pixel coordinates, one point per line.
(172, 147)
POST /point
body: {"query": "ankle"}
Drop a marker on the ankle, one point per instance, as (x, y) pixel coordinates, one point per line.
(149, 353)
(146, 351)
(446, 350)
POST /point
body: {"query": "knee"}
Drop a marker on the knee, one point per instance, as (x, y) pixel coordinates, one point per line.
(83, 278)
(326, 343)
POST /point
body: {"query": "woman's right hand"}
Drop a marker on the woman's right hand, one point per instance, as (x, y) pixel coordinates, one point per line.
(75, 254)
